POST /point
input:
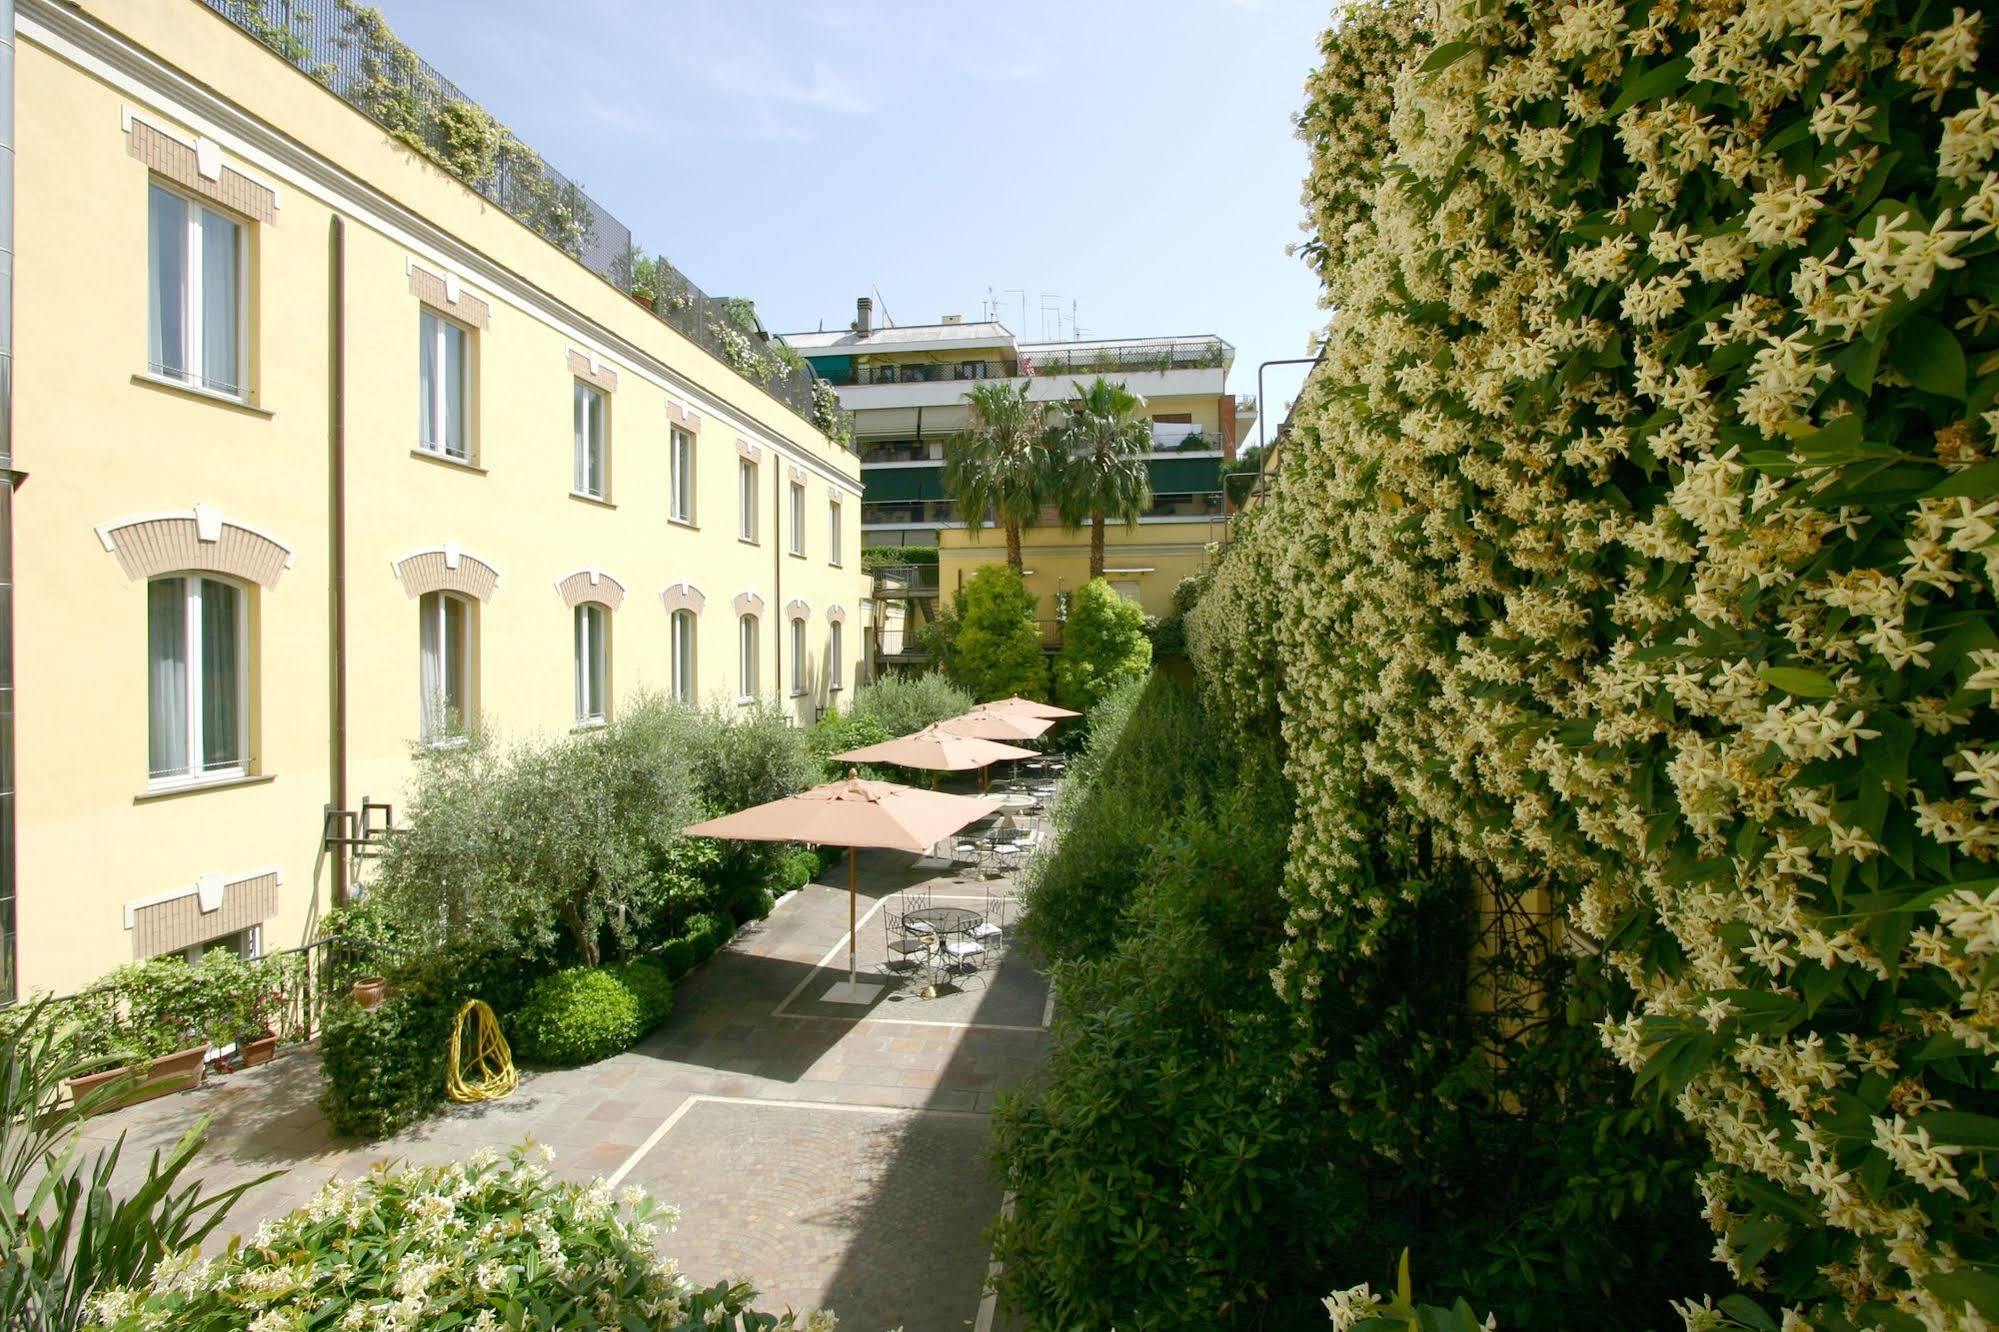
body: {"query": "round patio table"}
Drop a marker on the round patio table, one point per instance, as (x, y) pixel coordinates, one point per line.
(940, 923)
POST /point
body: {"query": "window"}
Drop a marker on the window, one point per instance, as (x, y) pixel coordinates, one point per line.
(194, 324)
(444, 650)
(593, 657)
(798, 656)
(680, 504)
(445, 379)
(797, 519)
(746, 657)
(683, 655)
(833, 531)
(593, 459)
(244, 943)
(197, 663)
(746, 499)
(834, 633)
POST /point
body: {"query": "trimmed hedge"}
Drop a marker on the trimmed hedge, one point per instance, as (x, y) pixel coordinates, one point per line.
(386, 1066)
(584, 1014)
(675, 957)
(708, 932)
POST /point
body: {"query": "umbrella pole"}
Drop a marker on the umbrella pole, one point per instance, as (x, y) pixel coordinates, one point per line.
(853, 890)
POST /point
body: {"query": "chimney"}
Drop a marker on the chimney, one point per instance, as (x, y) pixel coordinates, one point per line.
(954, 319)
(864, 316)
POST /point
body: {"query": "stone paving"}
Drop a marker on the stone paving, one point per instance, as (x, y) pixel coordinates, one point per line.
(833, 1155)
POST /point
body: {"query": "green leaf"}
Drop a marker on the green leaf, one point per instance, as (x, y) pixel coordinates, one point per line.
(1651, 83)
(1973, 482)
(1966, 1286)
(1961, 1128)
(1797, 681)
(1748, 1313)
(1929, 354)
(1445, 56)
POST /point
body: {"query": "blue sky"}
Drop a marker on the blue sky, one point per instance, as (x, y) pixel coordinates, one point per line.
(1132, 162)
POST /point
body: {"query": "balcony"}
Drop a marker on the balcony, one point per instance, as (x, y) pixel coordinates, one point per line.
(917, 372)
(908, 513)
(1191, 505)
(1155, 355)
(899, 450)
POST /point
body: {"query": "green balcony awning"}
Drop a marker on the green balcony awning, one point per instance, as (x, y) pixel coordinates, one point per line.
(1176, 476)
(903, 483)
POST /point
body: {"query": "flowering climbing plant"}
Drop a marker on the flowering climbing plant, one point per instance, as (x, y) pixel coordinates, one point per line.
(1639, 529)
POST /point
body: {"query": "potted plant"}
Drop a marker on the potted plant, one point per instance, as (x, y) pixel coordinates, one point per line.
(369, 991)
(256, 1039)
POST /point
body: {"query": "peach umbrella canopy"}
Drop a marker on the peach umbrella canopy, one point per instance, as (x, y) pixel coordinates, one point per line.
(988, 725)
(937, 749)
(1027, 707)
(852, 813)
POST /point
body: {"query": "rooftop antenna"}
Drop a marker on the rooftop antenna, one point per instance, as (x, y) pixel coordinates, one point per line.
(1021, 327)
(1051, 303)
(888, 320)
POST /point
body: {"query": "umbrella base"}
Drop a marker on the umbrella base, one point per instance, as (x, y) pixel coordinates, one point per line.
(851, 992)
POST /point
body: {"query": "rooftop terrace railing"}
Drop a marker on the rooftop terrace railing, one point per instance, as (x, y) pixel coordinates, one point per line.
(349, 49)
(1156, 357)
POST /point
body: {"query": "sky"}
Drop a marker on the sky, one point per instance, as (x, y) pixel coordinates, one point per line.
(1123, 169)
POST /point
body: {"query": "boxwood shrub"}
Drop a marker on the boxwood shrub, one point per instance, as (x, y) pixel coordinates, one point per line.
(675, 957)
(585, 1014)
(708, 932)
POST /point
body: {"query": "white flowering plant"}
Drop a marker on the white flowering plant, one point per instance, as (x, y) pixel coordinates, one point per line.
(1640, 532)
(493, 1242)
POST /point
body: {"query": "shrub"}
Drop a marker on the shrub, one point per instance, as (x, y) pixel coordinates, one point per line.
(997, 650)
(356, 1252)
(676, 957)
(874, 557)
(708, 932)
(583, 1014)
(386, 1066)
(1103, 646)
(898, 705)
(838, 732)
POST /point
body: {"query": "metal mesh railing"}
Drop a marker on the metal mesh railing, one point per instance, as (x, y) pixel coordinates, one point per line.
(349, 49)
(1161, 355)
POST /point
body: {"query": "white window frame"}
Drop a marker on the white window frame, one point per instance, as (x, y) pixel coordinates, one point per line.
(748, 649)
(592, 649)
(680, 476)
(193, 311)
(193, 701)
(431, 439)
(746, 500)
(798, 518)
(590, 420)
(797, 655)
(835, 631)
(683, 640)
(437, 730)
(833, 513)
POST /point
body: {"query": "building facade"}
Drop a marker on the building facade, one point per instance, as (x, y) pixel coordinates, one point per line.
(906, 385)
(328, 457)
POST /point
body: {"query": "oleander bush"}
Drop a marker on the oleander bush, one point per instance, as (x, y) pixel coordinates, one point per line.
(494, 1241)
(582, 1014)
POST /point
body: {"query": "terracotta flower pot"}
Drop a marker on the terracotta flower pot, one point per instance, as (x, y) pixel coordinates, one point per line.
(370, 991)
(256, 1052)
(168, 1073)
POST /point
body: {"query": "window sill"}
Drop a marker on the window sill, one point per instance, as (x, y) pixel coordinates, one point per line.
(164, 384)
(796, 693)
(597, 500)
(446, 460)
(748, 541)
(835, 687)
(745, 700)
(796, 554)
(687, 523)
(592, 724)
(445, 743)
(168, 790)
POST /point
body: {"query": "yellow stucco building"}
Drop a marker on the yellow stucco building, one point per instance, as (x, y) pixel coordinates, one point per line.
(325, 453)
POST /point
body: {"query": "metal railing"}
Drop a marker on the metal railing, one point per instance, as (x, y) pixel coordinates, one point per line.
(1174, 354)
(920, 372)
(347, 48)
(908, 511)
(1190, 504)
(903, 581)
(901, 450)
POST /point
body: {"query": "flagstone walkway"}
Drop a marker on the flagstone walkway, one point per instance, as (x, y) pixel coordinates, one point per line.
(832, 1155)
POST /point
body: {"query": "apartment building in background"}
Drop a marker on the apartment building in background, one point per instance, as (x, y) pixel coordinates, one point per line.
(906, 386)
(329, 455)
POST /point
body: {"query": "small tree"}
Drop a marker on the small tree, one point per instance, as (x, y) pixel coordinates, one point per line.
(1103, 646)
(997, 653)
(1100, 448)
(901, 704)
(1002, 463)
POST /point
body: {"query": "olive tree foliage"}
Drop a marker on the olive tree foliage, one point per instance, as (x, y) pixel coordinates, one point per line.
(996, 652)
(571, 845)
(1103, 646)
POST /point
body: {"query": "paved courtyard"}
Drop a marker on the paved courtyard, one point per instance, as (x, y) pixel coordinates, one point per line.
(833, 1155)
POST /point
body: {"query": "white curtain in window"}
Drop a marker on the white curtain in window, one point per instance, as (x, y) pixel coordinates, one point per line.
(457, 375)
(166, 676)
(590, 662)
(833, 636)
(429, 418)
(683, 656)
(579, 412)
(683, 476)
(221, 276)
(797, 519)
(798, 656)
(221, 676)
(746, 498)
(166, 316)
(833, 531)
(746, 656)
(430, 665)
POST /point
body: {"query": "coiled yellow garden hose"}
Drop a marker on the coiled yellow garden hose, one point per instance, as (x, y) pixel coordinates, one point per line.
(492, 1074)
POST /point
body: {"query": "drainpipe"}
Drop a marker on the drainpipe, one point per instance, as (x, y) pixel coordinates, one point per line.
(337, 465)
(780, 629)
(9, 480)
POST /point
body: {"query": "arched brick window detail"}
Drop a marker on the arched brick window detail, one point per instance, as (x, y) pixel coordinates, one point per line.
(836, 613)
(685, 417)
(798, 475)
(591, 584)
(593, 372)
(748, 603)
(445, 568)
(798, 608)
(198, 540)
(748, 450)
(682, 595)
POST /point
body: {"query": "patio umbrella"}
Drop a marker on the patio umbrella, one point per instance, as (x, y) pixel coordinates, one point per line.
(988, 725)
(937, 750)
(1027, 707)
(853, 814)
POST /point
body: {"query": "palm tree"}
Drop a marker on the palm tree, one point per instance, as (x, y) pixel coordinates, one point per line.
(1102, 444)
(1001, 463)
